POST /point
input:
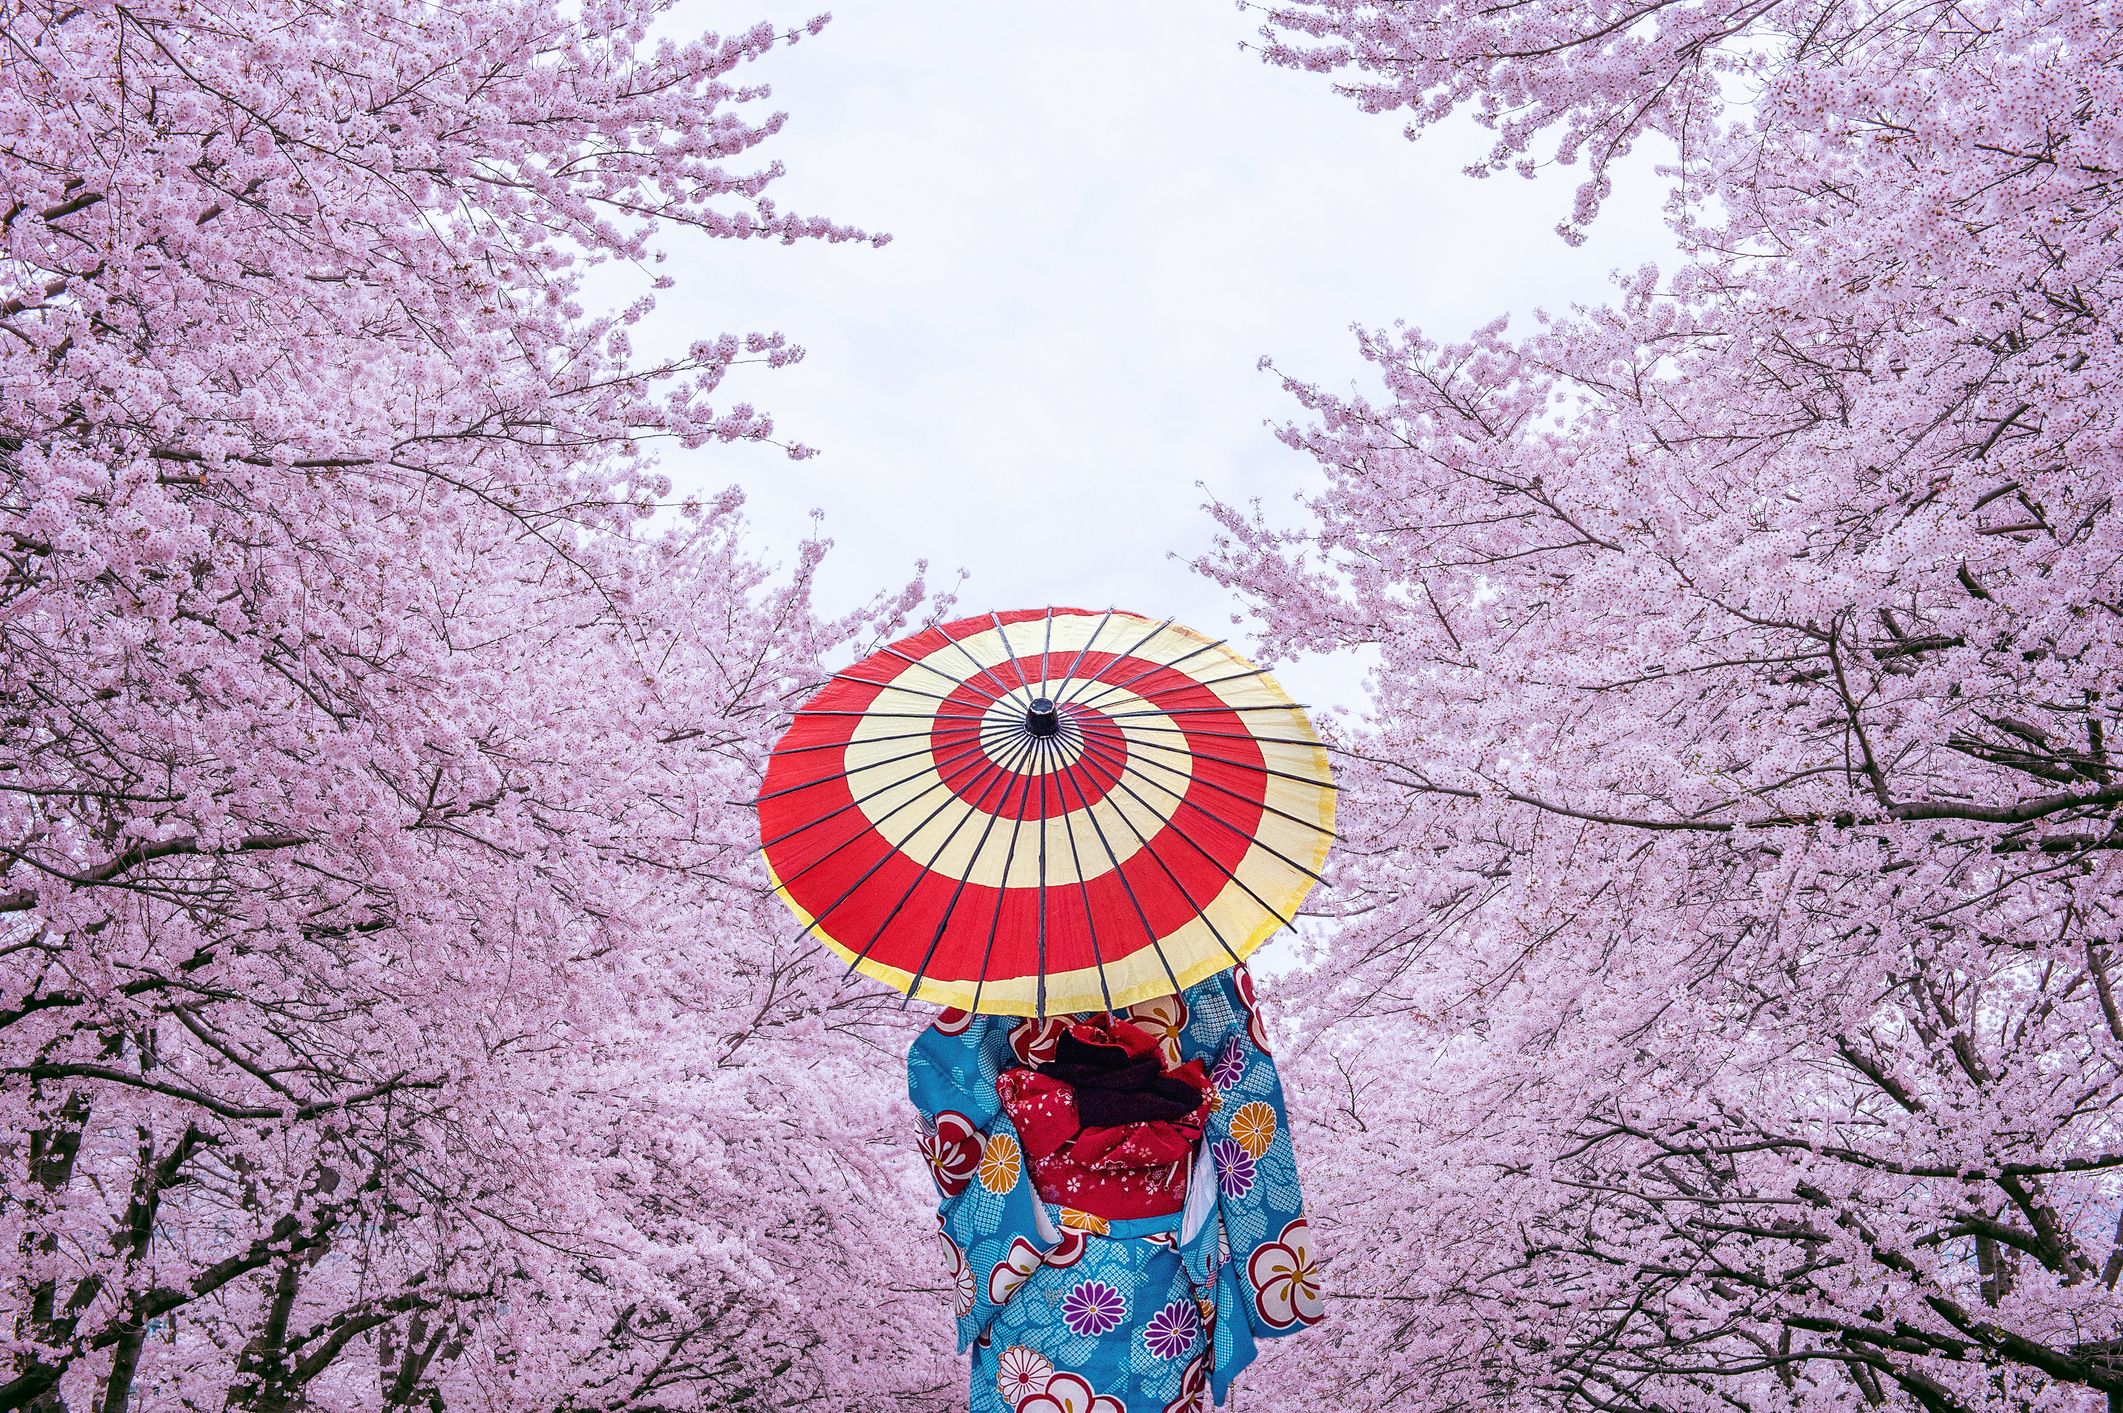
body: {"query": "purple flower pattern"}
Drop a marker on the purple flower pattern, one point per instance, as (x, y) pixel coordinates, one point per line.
(1234, 1168)
(1092, 1308)
(1173, 1331)
(1230, 1066)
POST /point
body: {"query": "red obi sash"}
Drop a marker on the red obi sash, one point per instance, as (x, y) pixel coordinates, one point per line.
(1112, 1069)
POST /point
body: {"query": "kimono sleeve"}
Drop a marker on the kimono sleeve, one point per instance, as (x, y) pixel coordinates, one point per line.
(1255, 1252)
(990, 1224)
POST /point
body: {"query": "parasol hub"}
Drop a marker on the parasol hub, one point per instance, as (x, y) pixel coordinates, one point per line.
(1042, 717)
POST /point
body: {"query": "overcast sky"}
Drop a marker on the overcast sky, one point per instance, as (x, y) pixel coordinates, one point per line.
(1103, 214)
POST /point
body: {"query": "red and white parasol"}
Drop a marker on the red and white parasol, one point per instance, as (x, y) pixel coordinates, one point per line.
(1047, 811)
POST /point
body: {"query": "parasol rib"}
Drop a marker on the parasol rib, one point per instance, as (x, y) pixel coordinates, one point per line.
(1083, 887)
(921, 662)
(1314, 745)
(1253, 839)
(1203, 711)
(1010, 653)
(1111, 687)
(979, 848)
(890, 687)
(1096, 629)
(1084, 803)
(1143, 845)
(882, 860)
(938, 784)
(1217, 863)
(1004, 771)
(1126, 652)
(1046, 654)
(849, 773)
(984, 671)
(1002, 890)
(843, 745)
(839, 810)
(1258, 767)
(1311, 824)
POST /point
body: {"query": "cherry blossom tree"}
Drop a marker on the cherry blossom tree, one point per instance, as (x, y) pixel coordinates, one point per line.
(390, 1012)
(1723, 1007)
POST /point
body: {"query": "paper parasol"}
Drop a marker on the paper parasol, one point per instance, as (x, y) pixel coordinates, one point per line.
(1047, 811)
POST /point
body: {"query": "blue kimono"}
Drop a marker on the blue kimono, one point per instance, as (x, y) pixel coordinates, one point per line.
(1071, 1313)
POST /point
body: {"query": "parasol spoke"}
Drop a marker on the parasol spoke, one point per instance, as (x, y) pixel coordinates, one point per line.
(843, 745)
(1151, 670)
(1003, 771)
(1142, 843)
(1311, 824)
(1217, 863)
(990, 769)
(1046, 653)
(1252, 839)
(1009, 652)
(922, 794)
(984, 670)
(1084, 803)
(1083, 887)
(1257, 767)
(906, 779)
(980, 847)
(1204, 711)
(1194, 682)
(898, 715)
(1047, 748)
(1196, 731)
(890, 687)
(1128, 651)
(1002, 890)
(849, 773)
(924, 663)
(1096, 629)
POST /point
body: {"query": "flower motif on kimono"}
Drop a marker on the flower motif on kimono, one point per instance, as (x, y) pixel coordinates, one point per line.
(959, 1274)
(1193, 1385)
(1243, 980)
(1069, 1250)
(1164, 1017)
(1234, 1168)
(952, 1021)
(1071, 1393)
(1285, 1279)
(1020, 1373)
(1230, 1066)
(1253, 1127)
(1033, 1040)
(1074, 1220)
(1000, 1163)
(1093, 1307)
(1173, 1331)
(953, 1151)
(1015, 1268)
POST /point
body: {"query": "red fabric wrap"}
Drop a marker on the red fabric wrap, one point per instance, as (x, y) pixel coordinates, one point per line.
(1118, 1172)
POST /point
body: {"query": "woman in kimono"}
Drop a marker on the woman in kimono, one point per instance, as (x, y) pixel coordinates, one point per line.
(1119, 1212)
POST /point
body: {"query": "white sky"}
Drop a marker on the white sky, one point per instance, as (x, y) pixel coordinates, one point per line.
(1103, 214)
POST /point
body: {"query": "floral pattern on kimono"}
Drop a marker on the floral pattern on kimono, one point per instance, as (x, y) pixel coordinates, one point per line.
(1070, 1313)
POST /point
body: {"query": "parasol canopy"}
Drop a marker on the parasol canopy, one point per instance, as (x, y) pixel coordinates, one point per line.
(1047, 811)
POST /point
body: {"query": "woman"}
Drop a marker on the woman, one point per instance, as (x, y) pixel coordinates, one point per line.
(1169, 1117)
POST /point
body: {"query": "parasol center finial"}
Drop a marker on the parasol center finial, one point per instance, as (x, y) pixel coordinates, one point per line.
(1043, 718)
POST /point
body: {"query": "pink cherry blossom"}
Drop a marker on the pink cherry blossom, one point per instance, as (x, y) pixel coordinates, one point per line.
(1723, 1011)
(394, 1015)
